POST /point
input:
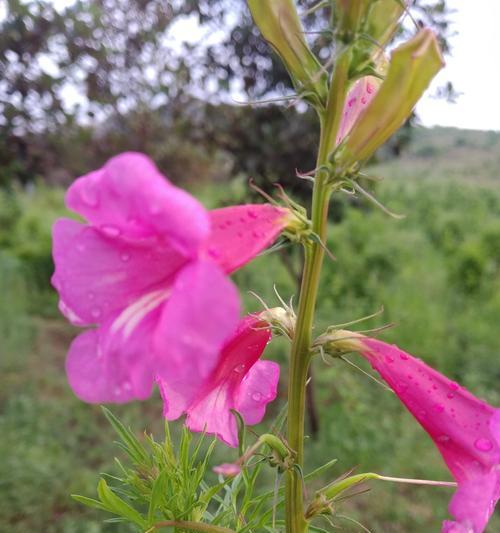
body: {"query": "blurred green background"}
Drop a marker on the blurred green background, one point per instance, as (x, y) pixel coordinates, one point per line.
(436, 272)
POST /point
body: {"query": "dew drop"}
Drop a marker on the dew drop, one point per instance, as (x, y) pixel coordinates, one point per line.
(422, 413)
(403, 356)
(389, 359)
(96, 312)
(255, 234)
(401, 387)
(450, 396)
(483, 444)
(252, 214)
(443, 438)
(439, 408)
(125, 257)
(214, 253)
(454, 386)
(127, 386)
(110, 230)
(364, 100)
(117, 391)
(369, 88)
(239, 369)
(351, 102)
(256, 396)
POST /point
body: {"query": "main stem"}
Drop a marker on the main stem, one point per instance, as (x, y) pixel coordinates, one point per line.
(300, 352)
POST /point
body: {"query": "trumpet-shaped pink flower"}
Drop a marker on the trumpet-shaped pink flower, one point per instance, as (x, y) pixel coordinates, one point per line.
(149, 269)
(358, 98)
(466, 430)
(239, 382)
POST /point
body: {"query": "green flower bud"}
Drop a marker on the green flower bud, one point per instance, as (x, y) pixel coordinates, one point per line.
(412, 67)
(280, 25)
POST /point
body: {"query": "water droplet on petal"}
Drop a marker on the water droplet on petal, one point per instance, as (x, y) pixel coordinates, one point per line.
(239, 369)
(351, 102)
(369, 88)
(117, 391)
(389, 359)
(214, 253)
(256, 396)
(110, 230)
(403, 356)
(443, 438)
(96, 312)
(450, 396)
(364, 100)
(125, 257)
(422, 413)
(439, 408)
(483, 444)
(454, 386)
(127, 386)
(252, 214)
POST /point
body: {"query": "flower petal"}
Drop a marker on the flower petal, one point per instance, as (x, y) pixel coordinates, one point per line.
(359, 96)
(239, 382)
(115, 363)
(201, 313)
(457, 421)
(473, 504)
(128, 197)
(258, 388)
(240, 232)
(97, 276)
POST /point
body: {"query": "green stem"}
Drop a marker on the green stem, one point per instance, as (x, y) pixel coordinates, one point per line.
(300, 351)
(191, 526)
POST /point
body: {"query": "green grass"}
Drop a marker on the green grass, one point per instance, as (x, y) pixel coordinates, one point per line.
(436, 273)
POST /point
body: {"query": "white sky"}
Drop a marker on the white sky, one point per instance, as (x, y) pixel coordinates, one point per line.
(473, 68)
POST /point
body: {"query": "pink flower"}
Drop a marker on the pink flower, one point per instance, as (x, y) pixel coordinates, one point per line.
(358, 98)
(239, 382)
(149, 269)
(466, 430)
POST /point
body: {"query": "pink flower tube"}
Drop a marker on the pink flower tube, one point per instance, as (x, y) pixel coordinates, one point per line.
(239, 382)
(466, 430)
(148, 273)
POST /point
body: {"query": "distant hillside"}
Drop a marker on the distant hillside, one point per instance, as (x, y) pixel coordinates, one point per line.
(449, 153)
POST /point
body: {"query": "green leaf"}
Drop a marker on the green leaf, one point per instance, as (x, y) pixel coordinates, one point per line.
(411, 69)
(89, 502)
(132, 445)
(118, 506)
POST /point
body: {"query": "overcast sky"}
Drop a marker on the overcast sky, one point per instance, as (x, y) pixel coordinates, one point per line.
(473, 68)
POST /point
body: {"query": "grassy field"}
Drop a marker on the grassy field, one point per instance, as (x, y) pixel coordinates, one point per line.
(436, 273)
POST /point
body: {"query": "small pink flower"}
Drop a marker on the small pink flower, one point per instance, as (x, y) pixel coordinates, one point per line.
(466, 430)
(240, 382)
(227, 469)
(149, 269)
(358, 98)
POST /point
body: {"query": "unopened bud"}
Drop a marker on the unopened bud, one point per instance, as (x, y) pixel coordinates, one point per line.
(336, 342)
(227, 469)
(280, 25)
(281, 320)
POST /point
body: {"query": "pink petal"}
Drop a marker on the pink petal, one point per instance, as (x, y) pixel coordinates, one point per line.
(129, 198)
(457, 421)
(233, 385)
(359, 96)
(240, 232)
(115, 363)
(201, 313)
(473, 504)
(258, 388)
(97, 276)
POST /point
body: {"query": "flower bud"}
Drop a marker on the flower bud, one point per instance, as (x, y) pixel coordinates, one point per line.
(411, 69)
(383, 19)
(227, 469)
(282, 321)
(280, 25)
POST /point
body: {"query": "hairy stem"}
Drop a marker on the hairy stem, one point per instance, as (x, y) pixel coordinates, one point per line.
(300, 353)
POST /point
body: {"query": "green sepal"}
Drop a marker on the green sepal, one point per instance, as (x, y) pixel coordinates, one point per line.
(280, 25)
(412, 67)
(383, 20)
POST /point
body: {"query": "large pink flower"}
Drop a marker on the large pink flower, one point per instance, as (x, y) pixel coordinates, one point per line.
(149, 269)
(466, 430)
(240, 382)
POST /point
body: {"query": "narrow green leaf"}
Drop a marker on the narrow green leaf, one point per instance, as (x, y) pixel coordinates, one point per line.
(89, 502)
(118, 506)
